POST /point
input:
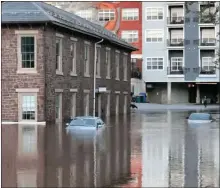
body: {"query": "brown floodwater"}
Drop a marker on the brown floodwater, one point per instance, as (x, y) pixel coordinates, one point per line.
(157, 149)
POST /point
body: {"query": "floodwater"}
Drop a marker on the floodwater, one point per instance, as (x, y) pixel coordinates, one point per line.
(158, 149)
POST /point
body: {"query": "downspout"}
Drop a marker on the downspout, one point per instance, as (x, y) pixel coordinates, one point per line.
(45, 74)
(94, 90)
(94, 75)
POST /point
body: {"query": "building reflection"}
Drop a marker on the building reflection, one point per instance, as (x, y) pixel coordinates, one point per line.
(155, 148)
(208, 174)
(30, 156)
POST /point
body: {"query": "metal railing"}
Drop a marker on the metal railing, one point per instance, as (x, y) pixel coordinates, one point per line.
(175, 42)
(136, 74)
(205, 42)
(203, 70)
(175, 20)
(174, 70)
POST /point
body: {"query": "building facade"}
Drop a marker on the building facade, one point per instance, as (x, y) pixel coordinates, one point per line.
(122, 18)
(178, 53)
(48, 62)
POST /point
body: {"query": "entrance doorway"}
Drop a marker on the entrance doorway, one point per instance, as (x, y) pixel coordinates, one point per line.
(192, 93)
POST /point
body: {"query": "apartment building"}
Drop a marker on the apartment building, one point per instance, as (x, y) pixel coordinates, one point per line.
(178, 53)
(48, 65)
(122, 18)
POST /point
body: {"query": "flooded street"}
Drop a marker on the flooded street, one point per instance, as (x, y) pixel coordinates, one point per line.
(159, 149)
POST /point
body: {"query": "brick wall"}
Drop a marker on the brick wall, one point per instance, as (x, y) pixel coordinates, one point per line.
(47, 80)
(11, 80)
(80, 82)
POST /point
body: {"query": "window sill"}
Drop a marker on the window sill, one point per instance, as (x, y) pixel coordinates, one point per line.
(108, 77)
(97, 76)
(117, 79)
(86, 75)
(176, 76)
(73, 74)
(27, 72)
(58, 72)
(208, 75)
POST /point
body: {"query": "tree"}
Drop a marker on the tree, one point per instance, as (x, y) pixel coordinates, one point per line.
(210, 11)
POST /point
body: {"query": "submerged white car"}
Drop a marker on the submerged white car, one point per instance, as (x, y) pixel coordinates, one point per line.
(85, 123)
(200, 118)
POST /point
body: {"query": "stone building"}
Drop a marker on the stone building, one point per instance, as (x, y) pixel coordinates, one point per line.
(48, 63)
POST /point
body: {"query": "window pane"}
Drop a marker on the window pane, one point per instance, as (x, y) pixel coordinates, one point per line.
(27, 52)
(28, 107)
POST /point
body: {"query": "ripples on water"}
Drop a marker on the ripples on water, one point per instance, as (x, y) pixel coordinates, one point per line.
(158, 149)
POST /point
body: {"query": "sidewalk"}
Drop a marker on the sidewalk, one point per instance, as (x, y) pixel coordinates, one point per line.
(151, 106)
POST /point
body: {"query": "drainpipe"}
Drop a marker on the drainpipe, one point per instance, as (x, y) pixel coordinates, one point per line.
(94, 76)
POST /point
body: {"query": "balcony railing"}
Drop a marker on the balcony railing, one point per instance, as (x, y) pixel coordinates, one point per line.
(175, 70)
(206, 42)
(175, 20)
(175, 42)
(205, 70)
(136, 74)
(207, 20)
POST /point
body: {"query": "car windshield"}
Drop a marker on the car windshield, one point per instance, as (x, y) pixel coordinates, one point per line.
(90, 122)
(82, 122)
(195, 116)
(77, 122)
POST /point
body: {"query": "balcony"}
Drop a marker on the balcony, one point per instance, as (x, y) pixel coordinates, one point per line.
(174, 70)
(175, 42)
(175, 20)
(135, 73)
(206, 42)
(209, 19)
(205, 70)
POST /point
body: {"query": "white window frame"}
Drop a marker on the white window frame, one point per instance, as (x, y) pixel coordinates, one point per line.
(108, 63)
(208, 35)
(27, 92)
(86, 14)
(59, 70)
(117, 64)
(26, 33)
(125, 66)
(208, 63)
(133, 34)
(177, 61)
(73, 48)
(105, 13)
(86, 102)
(87, 61)
(179, 15)
(158, 37)
(58, 92)
(98, 62)
(157, 63)
(149, 9)
(73, 102)
(132, 13)
(176, 38)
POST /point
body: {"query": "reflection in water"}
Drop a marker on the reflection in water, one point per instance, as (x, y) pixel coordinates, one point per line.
(158, 149)
(50, 157)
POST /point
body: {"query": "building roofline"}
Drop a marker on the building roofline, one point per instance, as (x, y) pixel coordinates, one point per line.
(80, 29)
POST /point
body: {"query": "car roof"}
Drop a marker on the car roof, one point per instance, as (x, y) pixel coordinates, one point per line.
(87, 117)
(197, 113)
